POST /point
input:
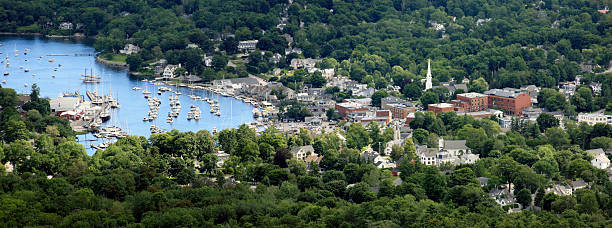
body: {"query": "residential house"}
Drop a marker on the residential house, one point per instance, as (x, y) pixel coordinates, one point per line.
(247, 45)
(379, 161)
(169, 70)
(560, 190)
(66, 26)
(301, 152)
(311, 159)
(304, 63)
(221, 158)
(483, 181)
(129, 49)
(595, 118)
(600, 160)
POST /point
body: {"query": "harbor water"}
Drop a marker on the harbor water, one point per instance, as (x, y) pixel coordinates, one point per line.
(71, 58)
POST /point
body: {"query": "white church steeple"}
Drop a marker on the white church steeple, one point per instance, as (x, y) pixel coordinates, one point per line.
(428, 79)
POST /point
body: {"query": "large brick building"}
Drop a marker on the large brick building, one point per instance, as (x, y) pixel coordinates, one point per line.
(440, 108)
(345, 109)
(512, 101)
(471, 102)
(399, 108)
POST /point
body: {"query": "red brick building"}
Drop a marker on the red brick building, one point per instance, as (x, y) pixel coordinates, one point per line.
(512, 101)
(440, 108)
(399, 107)
(346, 108)
(471, 102)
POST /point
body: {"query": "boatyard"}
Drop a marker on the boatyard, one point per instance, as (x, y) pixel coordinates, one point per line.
(108, 103)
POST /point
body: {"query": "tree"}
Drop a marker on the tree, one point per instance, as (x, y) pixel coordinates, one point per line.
(356, 136)
(583, 99)
(15, 130)
(546, 121)
(134, 60)
(557, 137)
(479, 85)
(219, 61)
(360, 193)
(420, 135)
(429, 97)
(377, 96)
(524, 197)
(462, 176)
(412, 91)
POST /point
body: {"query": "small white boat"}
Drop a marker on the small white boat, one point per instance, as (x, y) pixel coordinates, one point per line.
(6, 73)
(53, 75)
(25, 85)
(136, 88)
(3, 81)
(51, 60)
(34, 74)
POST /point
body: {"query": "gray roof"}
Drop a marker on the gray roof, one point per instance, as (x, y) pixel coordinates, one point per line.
(506, 92)
(483, 180)
(298, 148)
(427, 152)
(247, 80)
(455, 145)
(461, 86)
(595, 152)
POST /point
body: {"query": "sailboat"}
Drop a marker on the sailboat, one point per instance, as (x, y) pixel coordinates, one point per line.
(90, 78)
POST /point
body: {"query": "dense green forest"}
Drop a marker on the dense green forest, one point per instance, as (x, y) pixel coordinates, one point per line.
(172, 180)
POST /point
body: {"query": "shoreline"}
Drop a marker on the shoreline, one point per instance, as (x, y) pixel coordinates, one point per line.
(77, 36)
(111, 63)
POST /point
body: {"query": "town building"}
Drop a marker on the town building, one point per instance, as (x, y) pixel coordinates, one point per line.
(512, 101)
(399, 108)
(63, 104)
(449, 151)
(347, 108)
(471, 102)
(381, 117)
(247, 45)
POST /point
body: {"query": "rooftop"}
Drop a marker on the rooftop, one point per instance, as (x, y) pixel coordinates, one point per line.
(506, 92)
(472, 95)
(441, 105)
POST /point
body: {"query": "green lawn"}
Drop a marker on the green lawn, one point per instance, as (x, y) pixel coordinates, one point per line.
(115, 57)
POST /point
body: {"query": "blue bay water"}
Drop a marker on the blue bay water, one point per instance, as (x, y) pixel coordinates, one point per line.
(116, 82)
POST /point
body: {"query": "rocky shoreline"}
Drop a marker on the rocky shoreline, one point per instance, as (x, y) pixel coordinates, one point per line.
(111, 63)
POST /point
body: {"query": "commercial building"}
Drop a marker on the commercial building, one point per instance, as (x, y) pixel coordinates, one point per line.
(441, 108)
(346, 108)
(471, 102)
(399, 108)
(511, 100)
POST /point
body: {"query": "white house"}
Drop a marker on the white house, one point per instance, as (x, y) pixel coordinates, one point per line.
(600, 160)
(129, 49)
(301, 152)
